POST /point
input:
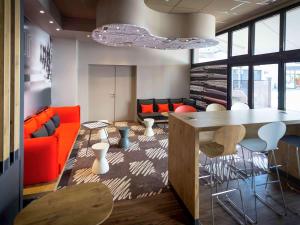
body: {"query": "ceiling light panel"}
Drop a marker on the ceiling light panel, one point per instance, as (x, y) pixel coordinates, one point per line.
(140, 26)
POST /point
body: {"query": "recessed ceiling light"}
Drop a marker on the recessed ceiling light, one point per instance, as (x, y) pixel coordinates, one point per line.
(50, 21)
(42, 11)
(138, 30)
(57, 29)
(118, 28)
(88, 35)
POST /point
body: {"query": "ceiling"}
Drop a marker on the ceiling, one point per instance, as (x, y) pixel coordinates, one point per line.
(77, 18)
(227, 12)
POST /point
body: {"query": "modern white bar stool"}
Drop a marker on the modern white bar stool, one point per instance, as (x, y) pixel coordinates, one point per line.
(100, 165)
(215, 107)
(148, 124)
(267, 143)
(224, 145)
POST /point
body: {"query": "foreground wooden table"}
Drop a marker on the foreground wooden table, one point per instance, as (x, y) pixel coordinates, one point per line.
(184, 132)
(88, 204)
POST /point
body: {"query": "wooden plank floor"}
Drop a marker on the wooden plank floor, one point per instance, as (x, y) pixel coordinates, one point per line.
(164, 209)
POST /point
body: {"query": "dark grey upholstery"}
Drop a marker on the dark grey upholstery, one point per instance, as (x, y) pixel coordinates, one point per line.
(159, 101)
(188, 101)
(172, 101)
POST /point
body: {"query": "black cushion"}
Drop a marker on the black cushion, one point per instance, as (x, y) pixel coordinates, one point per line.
(155, 116)
(42, 132)
(50, 126)
(56, 120)
(188, 101)
(143, 102)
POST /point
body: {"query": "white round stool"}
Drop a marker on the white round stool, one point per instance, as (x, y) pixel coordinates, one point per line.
(103, 132)
(148, 124)
(100, 165)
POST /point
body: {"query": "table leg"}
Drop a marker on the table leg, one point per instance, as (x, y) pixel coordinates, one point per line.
(88, 144)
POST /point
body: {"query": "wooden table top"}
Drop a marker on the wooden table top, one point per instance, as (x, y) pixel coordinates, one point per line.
(202, 120)
(83, 204)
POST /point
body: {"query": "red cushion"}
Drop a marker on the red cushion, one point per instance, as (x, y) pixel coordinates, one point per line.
(176, 105)
(68, 114)
(147, 108)
(42, 118)
(30, 126)
(50, 112)
(163, 107)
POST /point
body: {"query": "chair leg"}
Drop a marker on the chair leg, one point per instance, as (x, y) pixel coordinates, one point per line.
(261, 199)
(211, 193)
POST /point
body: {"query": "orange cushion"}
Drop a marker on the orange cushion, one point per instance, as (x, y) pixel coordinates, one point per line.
(163, 107)
(42, 118)
(50, 112)
(30, 126)
(176, 105)
(147, 108)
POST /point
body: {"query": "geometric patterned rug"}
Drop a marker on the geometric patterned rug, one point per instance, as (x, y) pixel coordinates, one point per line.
(137, 172)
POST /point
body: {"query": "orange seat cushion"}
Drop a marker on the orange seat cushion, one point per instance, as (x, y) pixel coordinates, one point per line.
(163, 107)
(147, 108)
(30, 126)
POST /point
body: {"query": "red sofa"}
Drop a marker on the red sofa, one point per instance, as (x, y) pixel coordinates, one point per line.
(45, 157)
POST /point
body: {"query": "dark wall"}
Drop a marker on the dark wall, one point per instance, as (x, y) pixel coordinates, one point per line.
(208, 85)
(38, 71)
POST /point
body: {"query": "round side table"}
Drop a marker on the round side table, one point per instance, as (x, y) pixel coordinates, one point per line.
(100, 165)
(148, 124)
(88, 204)
(124, 141)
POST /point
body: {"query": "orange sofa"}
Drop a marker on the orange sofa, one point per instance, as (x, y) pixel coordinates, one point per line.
(45, 157)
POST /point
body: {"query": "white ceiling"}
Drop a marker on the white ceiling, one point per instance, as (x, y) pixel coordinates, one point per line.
(227, 12)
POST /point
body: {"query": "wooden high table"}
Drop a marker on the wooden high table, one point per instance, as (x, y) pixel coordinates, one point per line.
(184, 131)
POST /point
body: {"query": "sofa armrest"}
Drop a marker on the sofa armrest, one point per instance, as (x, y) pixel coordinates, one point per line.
(68, 114)
(40, 159)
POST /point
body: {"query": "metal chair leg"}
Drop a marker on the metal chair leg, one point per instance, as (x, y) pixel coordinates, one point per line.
(261, 199)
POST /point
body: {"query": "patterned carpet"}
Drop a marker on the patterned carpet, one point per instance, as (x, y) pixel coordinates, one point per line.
(137, 172)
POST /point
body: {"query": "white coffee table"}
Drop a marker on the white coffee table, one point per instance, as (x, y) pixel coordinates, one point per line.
(100, 165)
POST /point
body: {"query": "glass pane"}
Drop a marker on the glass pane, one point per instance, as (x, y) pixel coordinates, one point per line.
(239, 77)
(266, 86)
(293, 86)
(240, 42)
(214, 53)
(267, 35)
(292, 29)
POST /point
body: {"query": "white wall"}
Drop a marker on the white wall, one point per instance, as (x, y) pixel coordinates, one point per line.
(65, 78)
(160, 73)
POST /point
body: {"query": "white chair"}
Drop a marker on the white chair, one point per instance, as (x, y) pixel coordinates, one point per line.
(267, 142)
(100, 165)
(215, 107)
(239, 106)
(148, 124)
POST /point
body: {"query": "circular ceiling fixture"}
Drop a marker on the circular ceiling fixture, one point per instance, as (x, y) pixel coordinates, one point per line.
(132, 23)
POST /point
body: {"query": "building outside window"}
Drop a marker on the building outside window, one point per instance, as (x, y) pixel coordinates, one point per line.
(292, 86)
(240, 77)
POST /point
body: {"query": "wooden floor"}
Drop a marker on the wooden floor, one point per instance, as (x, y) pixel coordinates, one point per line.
(164, 209)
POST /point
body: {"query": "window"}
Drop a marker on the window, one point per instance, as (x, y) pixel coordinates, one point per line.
(267, 35)
(292, 86)
(240, 42)
(214, 53)
(292, 29)
(266, 86)
(240, 77)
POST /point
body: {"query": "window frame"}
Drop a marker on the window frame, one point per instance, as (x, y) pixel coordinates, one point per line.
(281, 57)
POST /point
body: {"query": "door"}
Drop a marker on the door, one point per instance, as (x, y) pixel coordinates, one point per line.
(125, 93)
(101, 92)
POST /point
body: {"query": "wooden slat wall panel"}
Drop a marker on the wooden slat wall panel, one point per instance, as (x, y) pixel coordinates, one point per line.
(15, 78)
(7, 79)
(1, 77)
